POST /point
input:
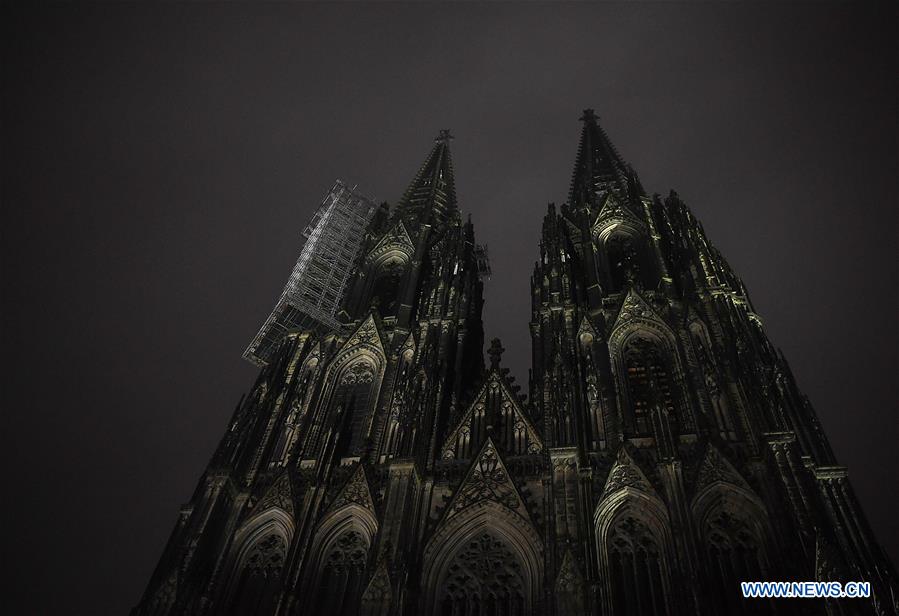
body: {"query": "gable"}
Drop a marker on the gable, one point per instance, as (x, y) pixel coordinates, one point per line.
(397, 239)
(355, 491)
(459, 445)
(635, 310)
(714, 468)
(487, 479)
(279, 494)
(367, 334)
(626, 473)
(613, 211)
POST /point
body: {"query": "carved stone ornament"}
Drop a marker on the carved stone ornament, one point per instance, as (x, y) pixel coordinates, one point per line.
(714, 468)
(485, 568)
(267, 555)
(625, 473)
(634, 307)
(487, 479)
(356, 491)
(367, 333)
(279, 494)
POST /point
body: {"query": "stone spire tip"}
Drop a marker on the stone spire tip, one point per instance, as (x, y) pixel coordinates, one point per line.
(444, 136)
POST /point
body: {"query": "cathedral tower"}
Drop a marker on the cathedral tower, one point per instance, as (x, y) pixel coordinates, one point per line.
(379, 466)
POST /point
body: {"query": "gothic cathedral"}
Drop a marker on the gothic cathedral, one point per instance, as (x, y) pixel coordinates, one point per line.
(663, 454)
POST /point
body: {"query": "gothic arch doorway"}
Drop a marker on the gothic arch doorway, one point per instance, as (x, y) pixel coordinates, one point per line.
(484, 577)
(260, 554)
(634, 547)
(339, 557)
(485, 560)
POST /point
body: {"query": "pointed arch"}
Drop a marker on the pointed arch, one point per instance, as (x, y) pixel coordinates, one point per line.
(396, 243)
(256, 563)
(339, 555)
(352, 387)
(493, 541)
(386, 265)
(648, 368)
(634, 545)
(623, 247)
(734, 536)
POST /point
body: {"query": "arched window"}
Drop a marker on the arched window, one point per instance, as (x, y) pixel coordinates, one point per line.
(354, 398)
(621, 255)
(386, 287)
(259, 581)
(483, 578)
(734, 556)
(341, 575)
(636, 569)
(649, 384)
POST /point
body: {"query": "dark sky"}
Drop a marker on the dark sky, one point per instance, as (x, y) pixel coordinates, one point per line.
(159, 163)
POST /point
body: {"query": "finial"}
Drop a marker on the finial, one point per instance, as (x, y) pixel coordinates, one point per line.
(589, 116)
(495, 352)
(443, 136)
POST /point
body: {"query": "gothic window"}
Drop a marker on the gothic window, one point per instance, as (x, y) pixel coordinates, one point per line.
(341, 575)
(259, 581)
(483, 579)
(386, 288)
(649, 384)
(636, 569)
(733, 557)
(620, 254)
(354, 398)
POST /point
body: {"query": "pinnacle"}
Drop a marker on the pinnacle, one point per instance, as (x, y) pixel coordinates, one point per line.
(444, 136)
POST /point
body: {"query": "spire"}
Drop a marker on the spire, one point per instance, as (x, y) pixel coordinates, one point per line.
(598, 167)
(431, 197)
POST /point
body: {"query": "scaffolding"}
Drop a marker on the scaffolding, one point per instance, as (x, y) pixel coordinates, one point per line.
(315, 289)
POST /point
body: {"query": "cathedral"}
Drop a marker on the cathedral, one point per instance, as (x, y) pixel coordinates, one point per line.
(381, 465)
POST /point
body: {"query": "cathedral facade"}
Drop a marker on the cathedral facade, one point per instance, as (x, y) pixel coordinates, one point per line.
(663, 453)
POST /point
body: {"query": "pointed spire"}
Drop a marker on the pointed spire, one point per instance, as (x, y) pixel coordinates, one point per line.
(598, 167)
(431, 197)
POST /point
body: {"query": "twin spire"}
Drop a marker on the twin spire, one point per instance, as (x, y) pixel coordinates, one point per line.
(598, 169)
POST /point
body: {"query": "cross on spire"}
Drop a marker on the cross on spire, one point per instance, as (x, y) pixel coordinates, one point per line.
(495, 352)
(443, 136)
(598, 167)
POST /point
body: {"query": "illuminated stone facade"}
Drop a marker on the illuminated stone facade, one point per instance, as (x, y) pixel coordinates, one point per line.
(663, 455)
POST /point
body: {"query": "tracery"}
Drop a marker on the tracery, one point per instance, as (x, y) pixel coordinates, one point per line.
(484, 579)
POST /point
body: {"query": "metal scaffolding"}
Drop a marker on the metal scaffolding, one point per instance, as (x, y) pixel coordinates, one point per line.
(315, 289)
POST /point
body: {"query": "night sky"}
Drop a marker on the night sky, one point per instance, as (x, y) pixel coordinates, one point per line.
(160, 162)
